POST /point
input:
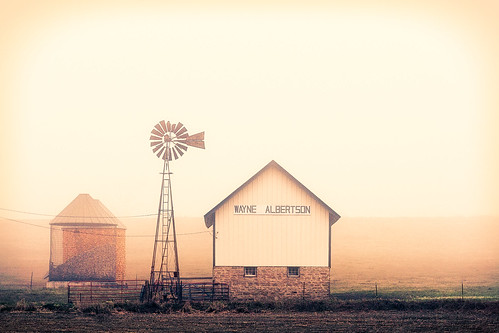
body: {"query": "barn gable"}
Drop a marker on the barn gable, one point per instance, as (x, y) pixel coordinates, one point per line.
(271, 220)
(209, 217)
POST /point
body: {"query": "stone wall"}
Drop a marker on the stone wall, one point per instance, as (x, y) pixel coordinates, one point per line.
(94, 254)
(120, 254)
(273, 283)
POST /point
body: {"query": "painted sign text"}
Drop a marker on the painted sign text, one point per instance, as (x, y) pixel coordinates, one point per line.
(271, 209)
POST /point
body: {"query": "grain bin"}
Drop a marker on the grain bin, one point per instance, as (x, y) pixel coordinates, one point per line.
(87, 243)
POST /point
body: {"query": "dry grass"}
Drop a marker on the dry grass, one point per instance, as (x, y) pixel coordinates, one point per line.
(340, 321)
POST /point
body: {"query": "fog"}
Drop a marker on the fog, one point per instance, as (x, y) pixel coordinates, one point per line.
(392, 252)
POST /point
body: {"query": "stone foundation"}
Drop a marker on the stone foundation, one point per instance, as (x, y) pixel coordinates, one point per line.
(273, 283)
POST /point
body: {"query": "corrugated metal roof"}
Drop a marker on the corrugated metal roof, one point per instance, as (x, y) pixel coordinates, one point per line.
(209, 218)
(86, 211)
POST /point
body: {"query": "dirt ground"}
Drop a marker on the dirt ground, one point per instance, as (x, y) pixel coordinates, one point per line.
(344, 321)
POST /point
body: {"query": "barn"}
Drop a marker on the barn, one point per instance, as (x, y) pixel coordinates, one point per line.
(272, 239)
(87, 243)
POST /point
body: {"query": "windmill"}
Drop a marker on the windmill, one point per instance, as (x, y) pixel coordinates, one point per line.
(168, 142)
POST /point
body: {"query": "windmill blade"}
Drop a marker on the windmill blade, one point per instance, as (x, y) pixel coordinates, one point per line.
(154, 143)
(157, 133)
(160, 151)
(155, 138)
(155, 149)
(168, 127)
(179, 151)
(175, 153)
(179, 127)
(182, 131)
(181, 146)
(173, 127)
(169, 154)
(158, 127)
(183, 136)
(163, 125)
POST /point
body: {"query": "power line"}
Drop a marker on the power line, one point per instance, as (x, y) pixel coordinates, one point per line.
(31, 224)
(75, 216)
(97, 234)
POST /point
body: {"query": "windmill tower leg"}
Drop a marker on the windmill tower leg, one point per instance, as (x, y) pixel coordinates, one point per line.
(168, 141)
(165, 275)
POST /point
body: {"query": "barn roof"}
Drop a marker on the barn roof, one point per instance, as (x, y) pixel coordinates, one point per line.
(86, 211)
(209, 218)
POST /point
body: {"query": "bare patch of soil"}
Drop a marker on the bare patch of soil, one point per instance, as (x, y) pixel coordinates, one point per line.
(342, 321)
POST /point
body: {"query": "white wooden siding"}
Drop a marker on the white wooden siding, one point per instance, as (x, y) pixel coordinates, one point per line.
(271, 240)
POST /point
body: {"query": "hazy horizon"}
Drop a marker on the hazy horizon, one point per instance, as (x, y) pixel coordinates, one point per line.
(418, 253)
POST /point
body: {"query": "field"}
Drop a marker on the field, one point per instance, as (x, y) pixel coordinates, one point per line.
(430, 274)
(343, 321)
(46, 311)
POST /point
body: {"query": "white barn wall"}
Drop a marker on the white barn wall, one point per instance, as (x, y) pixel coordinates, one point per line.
(272, 240)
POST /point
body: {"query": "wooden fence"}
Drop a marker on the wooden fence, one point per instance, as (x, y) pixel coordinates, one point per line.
(133, 290)
(205, 291)
(97, 292)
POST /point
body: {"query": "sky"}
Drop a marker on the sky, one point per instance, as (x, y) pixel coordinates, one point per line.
(380, 109)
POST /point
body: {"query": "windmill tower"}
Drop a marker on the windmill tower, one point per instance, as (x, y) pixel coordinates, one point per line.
(168, 142)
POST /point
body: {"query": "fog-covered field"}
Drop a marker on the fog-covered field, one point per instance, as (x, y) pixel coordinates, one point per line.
(392, 253)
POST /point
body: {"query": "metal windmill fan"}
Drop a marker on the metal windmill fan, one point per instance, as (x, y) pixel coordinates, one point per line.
(168, 141)
(173, 138)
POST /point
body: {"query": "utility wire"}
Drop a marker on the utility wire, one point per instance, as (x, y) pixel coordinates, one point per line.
(97, 234)
(74, 216)
(31, 224)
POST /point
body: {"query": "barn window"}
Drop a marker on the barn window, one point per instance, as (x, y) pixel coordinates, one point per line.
(249, 271)
(293, 271)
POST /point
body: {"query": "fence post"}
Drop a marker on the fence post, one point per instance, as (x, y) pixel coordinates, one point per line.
(376, 286)
(69, 293)
(91, 292)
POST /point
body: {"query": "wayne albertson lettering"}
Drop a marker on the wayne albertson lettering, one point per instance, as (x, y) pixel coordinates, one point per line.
(272, 209)
(245, 209)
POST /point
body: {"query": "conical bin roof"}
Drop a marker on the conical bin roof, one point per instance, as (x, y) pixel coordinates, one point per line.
(86, 211)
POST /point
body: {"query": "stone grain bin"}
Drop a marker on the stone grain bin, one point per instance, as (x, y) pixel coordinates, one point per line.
(87, 243)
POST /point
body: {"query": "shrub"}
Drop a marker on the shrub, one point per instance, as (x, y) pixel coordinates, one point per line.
(216, 307)
(5, 308)
(58, 307)
(99, 308)
(311, 306)
(22, 305)
(186, 307)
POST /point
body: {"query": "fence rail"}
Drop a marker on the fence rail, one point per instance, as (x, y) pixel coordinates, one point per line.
(96, 292)
(133, 290)
(203, 291)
